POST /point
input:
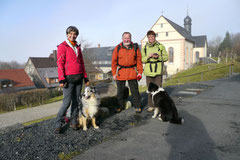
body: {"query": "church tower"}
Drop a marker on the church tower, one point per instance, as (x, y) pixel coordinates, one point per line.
(188, 24)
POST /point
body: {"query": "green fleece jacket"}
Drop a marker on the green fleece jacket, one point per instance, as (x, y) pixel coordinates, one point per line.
(153, 67)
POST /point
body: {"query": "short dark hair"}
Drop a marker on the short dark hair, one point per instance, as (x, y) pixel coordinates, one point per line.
(151, 33)
(127, 33)
(72, 29)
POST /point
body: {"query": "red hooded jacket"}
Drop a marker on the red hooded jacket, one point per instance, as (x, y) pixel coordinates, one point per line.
(69, 62)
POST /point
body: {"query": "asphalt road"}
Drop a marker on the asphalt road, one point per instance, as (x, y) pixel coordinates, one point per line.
(211, 130)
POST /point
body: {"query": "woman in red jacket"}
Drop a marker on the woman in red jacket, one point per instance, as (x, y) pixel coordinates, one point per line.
(71, 72)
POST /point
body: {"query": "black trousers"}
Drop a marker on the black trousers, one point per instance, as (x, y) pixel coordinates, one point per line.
(157, 80)
(133, 84)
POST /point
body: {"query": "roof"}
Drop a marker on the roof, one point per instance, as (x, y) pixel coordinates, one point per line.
(89, 66)
(51, 72)
(181, 30)
(99, 54)
(43, 62)
(200, 40)
(19, 77)
(48, 73)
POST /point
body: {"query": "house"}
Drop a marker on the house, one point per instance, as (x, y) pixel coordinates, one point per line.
(12, 80)
(101, 57)
(184, 49)
(43, 70)
(93, 73)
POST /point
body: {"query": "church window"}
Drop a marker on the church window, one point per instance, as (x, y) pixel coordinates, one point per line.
(166, 34)
(171, 54)
(197, 56)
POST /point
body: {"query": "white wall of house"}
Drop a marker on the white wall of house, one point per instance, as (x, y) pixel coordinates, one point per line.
(184, 51)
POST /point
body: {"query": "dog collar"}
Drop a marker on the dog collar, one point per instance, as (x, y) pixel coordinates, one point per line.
(157, 91)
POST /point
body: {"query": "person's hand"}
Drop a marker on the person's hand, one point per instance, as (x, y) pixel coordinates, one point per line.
(115, 77)
(155, 55)
(61, 85)
(87, 83)
(150, 55)
(139, 77)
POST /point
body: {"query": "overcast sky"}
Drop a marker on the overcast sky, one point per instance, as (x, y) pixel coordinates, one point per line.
(33, 28)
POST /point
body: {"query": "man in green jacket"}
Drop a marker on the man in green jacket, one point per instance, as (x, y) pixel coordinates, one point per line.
(154, 55)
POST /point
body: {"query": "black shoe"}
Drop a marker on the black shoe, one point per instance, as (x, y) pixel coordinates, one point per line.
(74, 127)
(138, 110)
(57, 131)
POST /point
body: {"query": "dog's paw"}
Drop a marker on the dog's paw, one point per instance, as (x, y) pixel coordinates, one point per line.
(154, 116)
(182, 120)
(96, 127)
(85, 129)
(160, 118)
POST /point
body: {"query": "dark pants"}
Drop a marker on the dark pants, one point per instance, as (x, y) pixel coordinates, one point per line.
(70, 94)
(133, 84)
(157, 80)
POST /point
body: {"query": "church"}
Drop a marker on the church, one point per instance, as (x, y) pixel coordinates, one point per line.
(183, 49)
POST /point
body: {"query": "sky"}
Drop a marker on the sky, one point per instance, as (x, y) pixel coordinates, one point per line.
(34, 28)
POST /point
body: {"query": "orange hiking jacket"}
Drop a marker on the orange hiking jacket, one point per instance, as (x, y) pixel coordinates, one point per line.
(126, 58)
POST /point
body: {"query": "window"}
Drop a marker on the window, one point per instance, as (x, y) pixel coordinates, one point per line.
(166, 34)
(197, 56)
(156, 34)
(161, 25)
(171, 54)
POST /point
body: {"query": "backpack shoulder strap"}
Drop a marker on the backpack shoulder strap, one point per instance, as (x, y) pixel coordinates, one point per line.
(118, 48)
(135, 45)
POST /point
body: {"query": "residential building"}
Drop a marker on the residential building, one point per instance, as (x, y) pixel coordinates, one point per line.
(183, 49)
(12, 80)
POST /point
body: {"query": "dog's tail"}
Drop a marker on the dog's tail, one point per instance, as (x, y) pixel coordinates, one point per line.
(178, 120)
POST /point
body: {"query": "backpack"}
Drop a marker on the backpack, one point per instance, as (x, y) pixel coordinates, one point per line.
(135, 46)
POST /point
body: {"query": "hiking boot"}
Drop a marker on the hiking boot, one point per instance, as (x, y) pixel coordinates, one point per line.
(57, 130)
(150, 109)
(138, 110)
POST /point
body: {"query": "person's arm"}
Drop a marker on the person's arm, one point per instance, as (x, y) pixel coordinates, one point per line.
(164, 56)
(144, 55)
(61, 60)
(114, 63)
(139, 62)
(83, 68)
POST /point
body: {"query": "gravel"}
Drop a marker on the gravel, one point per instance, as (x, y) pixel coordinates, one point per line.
(39, 141)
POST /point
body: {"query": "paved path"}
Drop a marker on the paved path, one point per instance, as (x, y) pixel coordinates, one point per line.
(16, 118)
(211, 131)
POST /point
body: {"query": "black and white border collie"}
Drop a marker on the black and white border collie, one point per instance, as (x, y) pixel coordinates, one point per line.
(164, 106)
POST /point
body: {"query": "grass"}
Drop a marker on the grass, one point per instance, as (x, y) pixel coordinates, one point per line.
(68, 156)
(51, 100)
(38, 120)
(202, 73)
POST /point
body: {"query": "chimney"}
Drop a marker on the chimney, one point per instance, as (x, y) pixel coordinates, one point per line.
(98, 45)
(55, 55)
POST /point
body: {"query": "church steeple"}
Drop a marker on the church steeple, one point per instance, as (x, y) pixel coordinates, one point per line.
(188, 23)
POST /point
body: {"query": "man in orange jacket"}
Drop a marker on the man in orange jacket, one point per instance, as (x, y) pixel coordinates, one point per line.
(127, 66)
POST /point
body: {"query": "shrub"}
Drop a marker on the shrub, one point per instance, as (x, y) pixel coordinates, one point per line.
(10, 101)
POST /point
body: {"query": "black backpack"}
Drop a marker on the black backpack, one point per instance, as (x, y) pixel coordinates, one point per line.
(135, 46)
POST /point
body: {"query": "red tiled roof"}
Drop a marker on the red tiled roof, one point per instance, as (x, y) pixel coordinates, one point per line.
(19, 77)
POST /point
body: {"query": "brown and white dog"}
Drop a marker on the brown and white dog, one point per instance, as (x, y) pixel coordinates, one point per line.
(90, 103)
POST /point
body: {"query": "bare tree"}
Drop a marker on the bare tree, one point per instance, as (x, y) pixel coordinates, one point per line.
(11, 65)
(213, 46)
